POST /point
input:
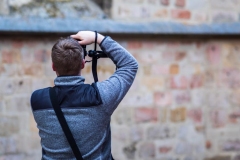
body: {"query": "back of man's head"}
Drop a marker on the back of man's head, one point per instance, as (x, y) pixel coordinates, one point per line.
(67, 57)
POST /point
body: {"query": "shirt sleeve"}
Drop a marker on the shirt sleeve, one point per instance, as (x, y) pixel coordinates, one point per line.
(114, 89)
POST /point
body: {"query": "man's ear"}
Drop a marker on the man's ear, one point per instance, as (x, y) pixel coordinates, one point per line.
(83, 64)
(53, 67)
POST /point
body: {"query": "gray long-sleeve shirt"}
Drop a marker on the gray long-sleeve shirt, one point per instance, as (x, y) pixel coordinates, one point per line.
(87, 108)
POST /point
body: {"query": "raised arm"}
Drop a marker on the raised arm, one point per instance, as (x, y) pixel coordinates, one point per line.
(114, 89)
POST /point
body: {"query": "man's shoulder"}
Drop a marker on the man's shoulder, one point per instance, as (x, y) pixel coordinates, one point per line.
(39, 97)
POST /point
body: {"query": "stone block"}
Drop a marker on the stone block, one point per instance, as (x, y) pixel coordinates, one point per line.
(237, 157)
(178, 114)
(160, 13)
(32, 69)
(164, 149)
(8, 70)
(136, 134)
(23, 85)
(18, 3)
(198, 98)
(173, 56)
(197, 5)
(180, 3)
(184, 148)
(138, 99)
(174, 69)
(122, 116)
(181, 97)
(4, 9)
(208, 144)
(10, 56)
(196, 115)
(231, 146)
(17, 104)
(130, 150)
(163, 115)
(27, 55)
(224, 4)
(146, 150)
(9, 125)
(181, 14)
(12, 157)
(146, 115)
(219, 158)
(120, 133)
(162, 99)
(160, 132)
(230, 77)
(42, 56)
(159, 69)
(165, 2)
(213, 53)
(222, 16)
(7, 87)
(219, 118)
(234, 117)
(197, 81)
(180, 82)
(218, 98)
(155, 83)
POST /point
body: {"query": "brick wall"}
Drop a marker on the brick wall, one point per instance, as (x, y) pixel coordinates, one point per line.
(185, 11)
(184, 103)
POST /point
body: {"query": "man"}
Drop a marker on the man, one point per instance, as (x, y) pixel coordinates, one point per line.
(87, 108)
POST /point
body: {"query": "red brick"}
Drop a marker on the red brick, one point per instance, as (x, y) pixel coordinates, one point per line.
(134, 45)
(164, 150)
(165, 2)
(208, 144)
(180, 3)
(195, 115)
(146, 115)
(181, 14)
(162, 98)
(17, 44)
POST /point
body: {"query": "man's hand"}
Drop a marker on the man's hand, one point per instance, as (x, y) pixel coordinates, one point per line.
(87, 37)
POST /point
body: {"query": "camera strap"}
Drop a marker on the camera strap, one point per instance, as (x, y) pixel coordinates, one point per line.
(64, 125)
(94, 60)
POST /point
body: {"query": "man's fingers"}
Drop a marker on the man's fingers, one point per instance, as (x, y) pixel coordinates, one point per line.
(81, 42)
(74, 36)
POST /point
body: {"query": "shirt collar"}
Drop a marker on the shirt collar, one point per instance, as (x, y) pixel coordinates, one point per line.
(69, 80)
